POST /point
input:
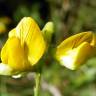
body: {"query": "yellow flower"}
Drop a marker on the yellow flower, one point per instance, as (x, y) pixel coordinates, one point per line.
(2, 28)
(75, 50)
(4, 21)
(23, 49)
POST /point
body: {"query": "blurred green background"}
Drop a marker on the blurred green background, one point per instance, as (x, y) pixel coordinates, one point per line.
(70, 17)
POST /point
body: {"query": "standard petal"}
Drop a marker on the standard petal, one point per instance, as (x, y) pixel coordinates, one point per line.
(73, 42)
(32, 39)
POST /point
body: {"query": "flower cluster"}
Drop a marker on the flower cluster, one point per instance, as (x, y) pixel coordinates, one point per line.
(26, 44)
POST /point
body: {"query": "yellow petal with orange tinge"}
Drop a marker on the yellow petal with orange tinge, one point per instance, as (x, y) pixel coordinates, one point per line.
(75, 50)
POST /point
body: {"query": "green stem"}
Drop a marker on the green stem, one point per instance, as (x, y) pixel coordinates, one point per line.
(37, 86)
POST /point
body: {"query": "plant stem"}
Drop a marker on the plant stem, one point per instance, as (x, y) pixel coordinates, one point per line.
(37, 82)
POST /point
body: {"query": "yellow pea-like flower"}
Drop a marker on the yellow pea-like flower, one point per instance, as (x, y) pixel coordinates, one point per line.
(3, 22)
(2, 28)
(75, 50)
(24, 47)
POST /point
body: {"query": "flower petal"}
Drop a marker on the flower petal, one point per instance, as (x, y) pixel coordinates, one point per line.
(4, 54)
(32, 39)
(12, 33)
(13, 54)
(73, 42)
(93, 43)
(5, 69)
(76, 57)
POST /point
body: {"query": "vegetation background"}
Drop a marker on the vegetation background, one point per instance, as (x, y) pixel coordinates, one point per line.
(69, 17)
